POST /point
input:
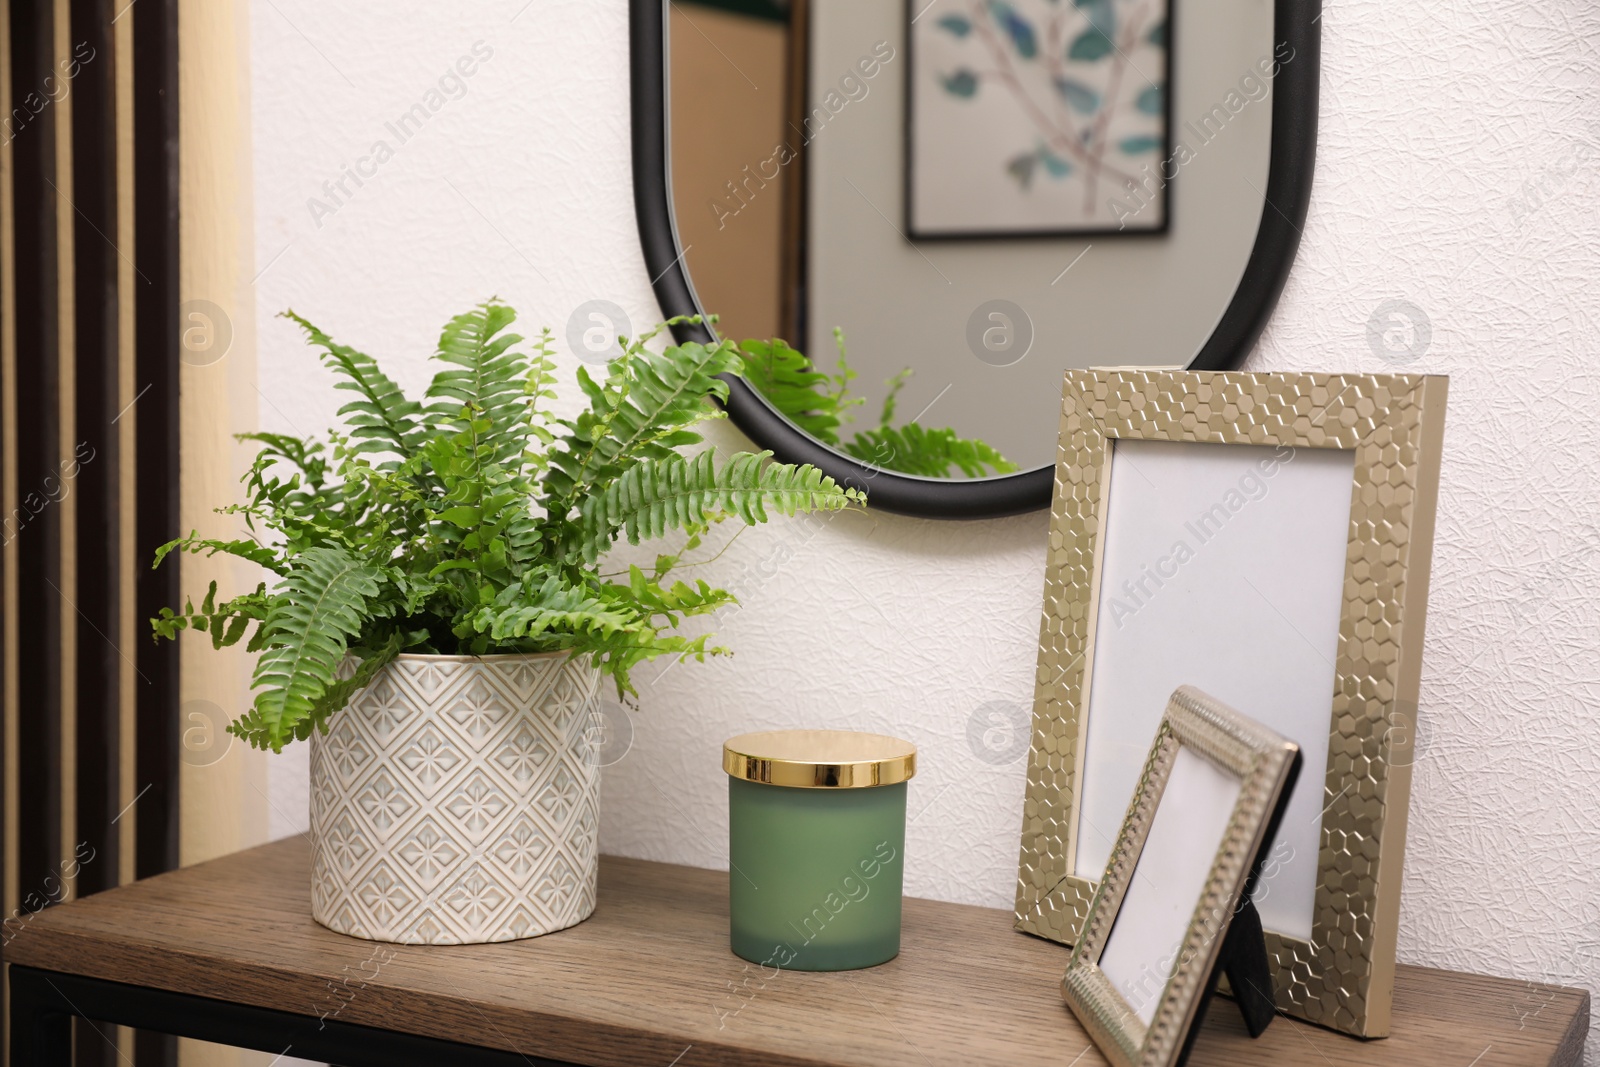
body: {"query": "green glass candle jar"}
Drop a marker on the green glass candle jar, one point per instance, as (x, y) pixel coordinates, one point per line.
(816, 843)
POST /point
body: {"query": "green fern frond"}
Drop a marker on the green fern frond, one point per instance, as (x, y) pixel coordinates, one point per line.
(337, 695)
(540, 385)
(895, 384)
(383, 420)
(325, 601)
(253, 551)
(487, 393)
(225, 622)
(306, 456)
(786, 378)
(618, 654)
(536, 606)
(817, 403)
(915, 449)
(674, 602)
(674, 493)
(640, 412)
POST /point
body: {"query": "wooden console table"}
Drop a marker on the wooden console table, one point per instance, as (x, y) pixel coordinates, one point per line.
(226, 951)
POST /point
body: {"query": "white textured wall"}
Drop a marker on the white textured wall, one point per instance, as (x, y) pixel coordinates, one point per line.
(1456, 172)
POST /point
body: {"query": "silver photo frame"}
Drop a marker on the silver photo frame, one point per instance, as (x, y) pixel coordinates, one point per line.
(1213, 785)
(1223, 617)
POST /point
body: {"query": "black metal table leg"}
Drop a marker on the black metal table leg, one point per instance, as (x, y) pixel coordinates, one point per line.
(41, 1021)
(44, 1003)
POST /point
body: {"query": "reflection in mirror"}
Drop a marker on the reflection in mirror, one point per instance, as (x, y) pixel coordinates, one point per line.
(977, 197)
(739, 181)
(823, 405)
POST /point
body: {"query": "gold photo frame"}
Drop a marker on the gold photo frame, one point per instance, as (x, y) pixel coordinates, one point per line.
(1263, 763)
(1342, 976)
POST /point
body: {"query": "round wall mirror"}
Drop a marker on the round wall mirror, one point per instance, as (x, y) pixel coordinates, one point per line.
(912, 218)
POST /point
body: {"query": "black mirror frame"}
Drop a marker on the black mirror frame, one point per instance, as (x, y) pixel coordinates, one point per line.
(1288, 197)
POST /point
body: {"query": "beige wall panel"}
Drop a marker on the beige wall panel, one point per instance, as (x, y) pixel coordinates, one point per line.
(224, 799)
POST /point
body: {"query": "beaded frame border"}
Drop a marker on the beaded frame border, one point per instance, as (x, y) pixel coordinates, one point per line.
(1261, 760)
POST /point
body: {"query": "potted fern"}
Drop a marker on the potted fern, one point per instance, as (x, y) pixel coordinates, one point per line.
(439, 626)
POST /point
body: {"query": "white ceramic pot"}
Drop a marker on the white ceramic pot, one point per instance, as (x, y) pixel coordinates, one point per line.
(456, 801)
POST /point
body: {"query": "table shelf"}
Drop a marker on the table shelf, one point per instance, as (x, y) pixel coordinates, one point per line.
(650, 980)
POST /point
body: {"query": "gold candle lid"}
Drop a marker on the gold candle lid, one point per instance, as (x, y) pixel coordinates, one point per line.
(819, 759)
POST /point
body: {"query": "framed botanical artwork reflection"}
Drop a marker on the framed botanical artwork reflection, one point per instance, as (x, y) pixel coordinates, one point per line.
(1266, 538)
(1035, 117)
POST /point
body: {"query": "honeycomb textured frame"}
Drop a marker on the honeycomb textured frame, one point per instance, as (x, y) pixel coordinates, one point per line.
(1261, 760)
(1343, 977)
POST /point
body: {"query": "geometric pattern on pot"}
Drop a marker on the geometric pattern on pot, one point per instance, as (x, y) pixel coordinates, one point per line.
(456, 800)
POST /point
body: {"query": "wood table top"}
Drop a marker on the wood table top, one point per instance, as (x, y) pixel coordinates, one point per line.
(650, 980)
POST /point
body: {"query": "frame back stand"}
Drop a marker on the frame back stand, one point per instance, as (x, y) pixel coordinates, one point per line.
(1243, 957)
(1244, 961)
